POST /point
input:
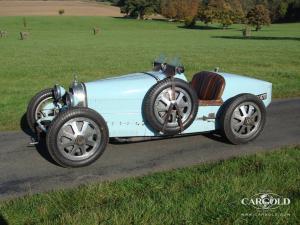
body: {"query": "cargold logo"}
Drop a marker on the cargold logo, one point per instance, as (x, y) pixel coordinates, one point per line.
(266, 200)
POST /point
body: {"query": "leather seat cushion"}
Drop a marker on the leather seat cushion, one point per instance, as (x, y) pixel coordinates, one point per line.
(209, 87)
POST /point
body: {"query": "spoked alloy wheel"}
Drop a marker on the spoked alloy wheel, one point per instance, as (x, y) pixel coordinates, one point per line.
(246, 119)
(243, 118)
(170, 112)
(78, 138)
(42, 111)
(42, 105)
(164, 101)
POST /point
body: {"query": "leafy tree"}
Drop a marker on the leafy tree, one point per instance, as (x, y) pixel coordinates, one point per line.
(225, 14)
(248, 5)
(293, 11)
(238, 11)
(121, 3)
(209, 11)
(282, 9)
(139, 8)
(258, 16)
(221, 11)
(279, 10)
(169, 9)
(184, 10)
(206, 13)
(188, 11)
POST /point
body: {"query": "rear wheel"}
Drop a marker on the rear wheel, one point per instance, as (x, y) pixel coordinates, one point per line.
(243, 119)
(77, 137)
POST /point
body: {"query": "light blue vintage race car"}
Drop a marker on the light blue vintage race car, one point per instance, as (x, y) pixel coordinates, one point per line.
(160, 103)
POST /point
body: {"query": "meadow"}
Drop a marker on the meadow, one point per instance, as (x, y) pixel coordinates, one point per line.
(205, 194)
(58, 47)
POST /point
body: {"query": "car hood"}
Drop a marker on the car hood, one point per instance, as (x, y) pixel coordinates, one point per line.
(128, 86)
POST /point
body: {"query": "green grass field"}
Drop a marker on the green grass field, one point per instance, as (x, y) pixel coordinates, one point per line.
(204, 194)
(58, 46)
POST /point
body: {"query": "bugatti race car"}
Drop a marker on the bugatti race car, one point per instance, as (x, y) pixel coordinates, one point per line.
(160, 103)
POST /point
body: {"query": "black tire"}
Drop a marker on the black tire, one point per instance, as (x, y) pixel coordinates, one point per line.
(149, 103)
(32, 106)
(59, 122)
(226, 126)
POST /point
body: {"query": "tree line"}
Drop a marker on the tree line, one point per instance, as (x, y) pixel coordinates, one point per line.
(224, 12)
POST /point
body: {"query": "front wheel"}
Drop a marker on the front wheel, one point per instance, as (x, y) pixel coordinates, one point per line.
(40, 106)
(243, 119)
(77, 137)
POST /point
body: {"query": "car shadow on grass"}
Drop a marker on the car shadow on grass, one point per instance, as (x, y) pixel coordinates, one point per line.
(41, 146)
(259, 38)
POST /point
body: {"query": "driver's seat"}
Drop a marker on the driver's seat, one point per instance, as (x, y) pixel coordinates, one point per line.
(209, 87)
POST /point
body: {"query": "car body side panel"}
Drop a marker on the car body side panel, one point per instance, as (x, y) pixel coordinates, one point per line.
(119, 100)
(237, 84)
(132, 124)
